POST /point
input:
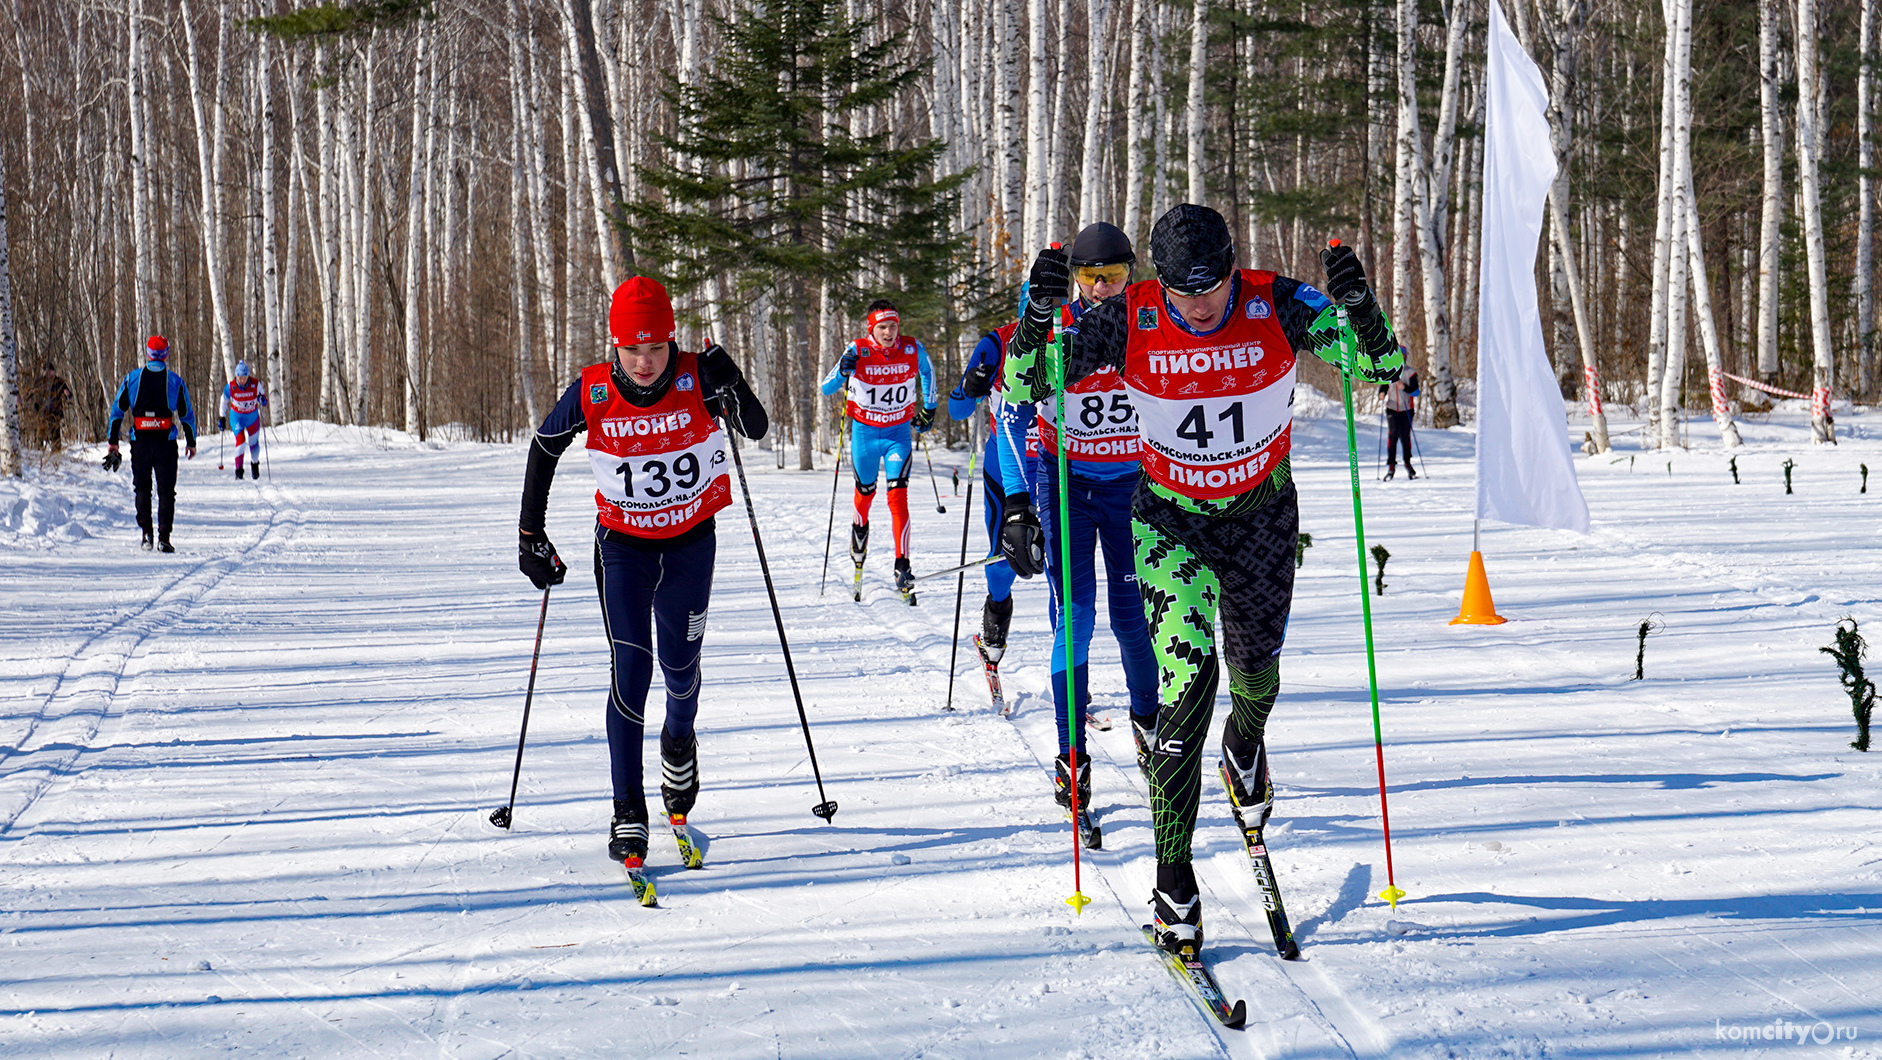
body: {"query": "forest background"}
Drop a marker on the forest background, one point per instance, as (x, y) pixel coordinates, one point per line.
(411, 213)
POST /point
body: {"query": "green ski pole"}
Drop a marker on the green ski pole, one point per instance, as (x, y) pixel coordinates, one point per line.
(1391, 893)
(1060, 350)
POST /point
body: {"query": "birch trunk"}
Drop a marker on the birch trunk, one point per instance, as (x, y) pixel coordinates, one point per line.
(1160, 175)
(414, 233)
(362, 152)
(12, 463)
(1194, 116)
(280, 392)
(1679, 77)
(1590, 367)
(520, 278)
(1009, 94)
(209, 156)
(603, 210)
(1662, 243)
(600, 127)
(1134, 126)
(329, 255)
(1038, 137)
(1865, 191)
(1405, 188)
(1771, 214)
(1808, 148)
(142, 246)
(1093, 203)
(1702, 298)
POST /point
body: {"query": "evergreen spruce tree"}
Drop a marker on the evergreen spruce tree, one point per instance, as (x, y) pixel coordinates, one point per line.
(764, 184)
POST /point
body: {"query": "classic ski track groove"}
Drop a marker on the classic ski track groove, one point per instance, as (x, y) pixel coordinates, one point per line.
(89, 680)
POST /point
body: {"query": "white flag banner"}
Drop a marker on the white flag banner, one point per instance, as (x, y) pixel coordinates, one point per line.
(1525, 473)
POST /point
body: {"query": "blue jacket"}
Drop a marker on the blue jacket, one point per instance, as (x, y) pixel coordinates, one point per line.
(175, 405)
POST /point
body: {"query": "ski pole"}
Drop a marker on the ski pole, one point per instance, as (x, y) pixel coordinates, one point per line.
(1391, 893)
(501, 815)
(1061, 352)
(938, 506)
(969, 565)
(836, 475)
(825, 809)
(220, 435)
(960, 585)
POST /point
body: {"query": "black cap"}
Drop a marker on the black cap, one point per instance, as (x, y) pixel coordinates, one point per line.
(1102, 244)
(1191, 248)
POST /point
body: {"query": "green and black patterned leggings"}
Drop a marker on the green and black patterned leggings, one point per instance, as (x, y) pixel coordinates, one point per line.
(1234, 560)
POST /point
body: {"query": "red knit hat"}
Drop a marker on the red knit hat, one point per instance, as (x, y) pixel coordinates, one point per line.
(641, 312)
(157, 349)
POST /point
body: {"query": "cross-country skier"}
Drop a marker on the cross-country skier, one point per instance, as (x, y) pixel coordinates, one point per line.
(1100, 435)
(1207, 352)
(243, 398)
(979, 382)
(158, 403)
(889, 383)
(662, 470)
(1401, 404)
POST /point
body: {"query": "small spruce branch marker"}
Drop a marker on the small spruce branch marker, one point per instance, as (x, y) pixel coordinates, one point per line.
(1788, 464)
(1653, 624)
(1379, 556)
(1301, 544)
(1734, 466)
(1848, 652)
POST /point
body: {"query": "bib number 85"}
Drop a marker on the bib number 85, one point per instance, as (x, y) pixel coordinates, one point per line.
(1092, 413)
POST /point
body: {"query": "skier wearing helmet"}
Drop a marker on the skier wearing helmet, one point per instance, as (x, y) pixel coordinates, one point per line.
(1101, 447)
(661, 470)
(1207, 352)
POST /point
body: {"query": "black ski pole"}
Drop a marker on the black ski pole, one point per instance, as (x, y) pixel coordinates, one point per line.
(501, 815)
(960, 586)
(938, 506)
(827, 808)
(836, 475)
(1412, 434)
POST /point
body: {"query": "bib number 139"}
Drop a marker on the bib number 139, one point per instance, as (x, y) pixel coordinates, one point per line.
(657, 477)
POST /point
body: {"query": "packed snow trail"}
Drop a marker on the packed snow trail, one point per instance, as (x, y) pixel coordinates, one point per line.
(246, 786)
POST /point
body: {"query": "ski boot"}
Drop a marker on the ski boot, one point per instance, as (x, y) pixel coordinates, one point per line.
(238, 471)
(1245, 775)
(1390, 470)
(163, 544)
(1176, 910)
(996, 616)
(905, 580)
(1062, 782)
(627, 834)
(859, 551)
(254, 469)
(1411, 473)
(149, 541)
(1144, 735)
(679, 787)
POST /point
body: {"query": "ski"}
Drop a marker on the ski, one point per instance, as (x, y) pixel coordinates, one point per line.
(1090, 832)
(683, 834)
(638, 879)
(1257, 847)
(993, 678)
(1189, 967)
(856, 594)
(1098, 722)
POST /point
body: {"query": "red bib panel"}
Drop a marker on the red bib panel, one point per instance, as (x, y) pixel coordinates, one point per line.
(1216, 412)
(886, 385)
(245, 399)
(659, 470)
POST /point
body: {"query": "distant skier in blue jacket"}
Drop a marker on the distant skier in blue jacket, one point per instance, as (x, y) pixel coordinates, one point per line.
(158, 403)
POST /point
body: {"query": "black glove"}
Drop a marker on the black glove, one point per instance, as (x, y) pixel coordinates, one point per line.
(222, 424)
(924, 419)
(1021, 541)
(1345, 275)
(978, 382)
(717, 369)
(1051, 278)
(536, 558)
(113, 459)
(848, 363)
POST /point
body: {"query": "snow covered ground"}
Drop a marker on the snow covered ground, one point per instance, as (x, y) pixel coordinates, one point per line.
(244, 788)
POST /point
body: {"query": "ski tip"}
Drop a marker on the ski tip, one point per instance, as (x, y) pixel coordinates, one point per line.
(1078, 901)
(1237, 1016)
(1392, 895)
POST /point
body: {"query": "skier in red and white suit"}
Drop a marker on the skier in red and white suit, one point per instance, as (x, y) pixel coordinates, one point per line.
(661, 470)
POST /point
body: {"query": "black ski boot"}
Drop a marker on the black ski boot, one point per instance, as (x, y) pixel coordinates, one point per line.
(1390, 470)
(996, 616)
(1176, 909)
(859, 543)
(679, 772)
(905, 579)
(254, 469)
(150, 540)
(1411, 472)
(1062, 782)
(1245, 774)
(163, 544)
(627, 835)
(238, 472)
(1144, 734)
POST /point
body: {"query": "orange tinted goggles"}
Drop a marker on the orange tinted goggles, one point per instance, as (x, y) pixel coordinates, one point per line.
(1093, 275)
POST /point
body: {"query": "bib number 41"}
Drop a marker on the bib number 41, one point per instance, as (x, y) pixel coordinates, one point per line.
(1195, 426)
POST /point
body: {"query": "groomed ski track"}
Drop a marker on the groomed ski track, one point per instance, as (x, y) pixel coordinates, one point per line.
(244, 795)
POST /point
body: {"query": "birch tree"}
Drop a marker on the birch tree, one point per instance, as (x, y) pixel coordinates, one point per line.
(1809, 149)
(11, 461)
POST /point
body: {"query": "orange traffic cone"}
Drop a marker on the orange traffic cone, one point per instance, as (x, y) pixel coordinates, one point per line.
(1478, 609)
